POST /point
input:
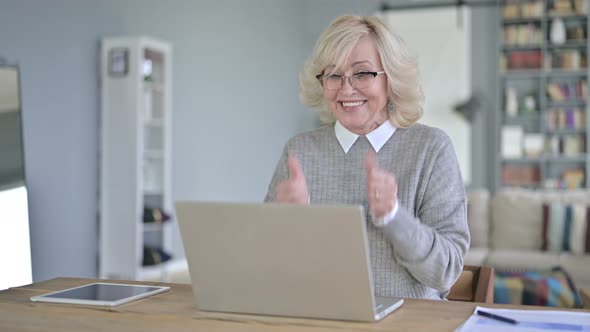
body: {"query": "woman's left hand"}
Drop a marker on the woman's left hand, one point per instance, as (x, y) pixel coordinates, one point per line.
(381, 188)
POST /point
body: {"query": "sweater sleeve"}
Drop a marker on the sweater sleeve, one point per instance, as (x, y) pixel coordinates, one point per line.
(432, 242)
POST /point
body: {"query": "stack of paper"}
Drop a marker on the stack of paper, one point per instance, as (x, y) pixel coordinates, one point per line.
(527, 320)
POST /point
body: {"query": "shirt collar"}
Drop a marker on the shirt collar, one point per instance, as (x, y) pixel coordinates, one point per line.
(377, 137)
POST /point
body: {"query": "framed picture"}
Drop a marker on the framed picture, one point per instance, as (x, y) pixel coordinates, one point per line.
(118, 61)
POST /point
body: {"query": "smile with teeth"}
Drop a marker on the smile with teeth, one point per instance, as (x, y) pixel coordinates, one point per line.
(352, 103)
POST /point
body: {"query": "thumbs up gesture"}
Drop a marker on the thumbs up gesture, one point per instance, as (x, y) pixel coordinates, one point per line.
(294, 189)
(381, 188)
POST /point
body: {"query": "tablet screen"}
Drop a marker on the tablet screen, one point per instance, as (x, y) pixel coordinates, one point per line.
(101, 294)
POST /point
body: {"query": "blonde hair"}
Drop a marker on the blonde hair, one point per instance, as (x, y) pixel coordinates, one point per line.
(334, 46)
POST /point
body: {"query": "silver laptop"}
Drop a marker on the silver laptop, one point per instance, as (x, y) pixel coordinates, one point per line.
(281, 259)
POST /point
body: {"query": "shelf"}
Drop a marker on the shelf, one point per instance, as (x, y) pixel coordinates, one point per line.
(521, 20)
(135, 131)
(565, 131)
(545, 159)
(153, 86)
(163, 271)
(567, 16)
(538, 73)
(532, 185)
(155, 226)
(565, 103)
(153, 154)
(557, 72)
(523, 73)
(511, 47)
(154, 122)
(521, 160)
(569, 44)
(522, 116)
(566, 159)
(152, 191)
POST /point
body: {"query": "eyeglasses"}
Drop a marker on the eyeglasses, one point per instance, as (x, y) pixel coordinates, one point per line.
(360, 80)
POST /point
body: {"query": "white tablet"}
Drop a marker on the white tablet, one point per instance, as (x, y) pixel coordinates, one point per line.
(103, 294)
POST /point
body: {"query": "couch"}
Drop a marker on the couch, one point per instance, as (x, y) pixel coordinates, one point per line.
(510, 229)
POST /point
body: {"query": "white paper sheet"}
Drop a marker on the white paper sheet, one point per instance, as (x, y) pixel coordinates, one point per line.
(528, 320)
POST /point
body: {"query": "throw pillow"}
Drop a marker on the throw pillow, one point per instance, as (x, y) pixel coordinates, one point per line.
(566, 227)
(552, 288)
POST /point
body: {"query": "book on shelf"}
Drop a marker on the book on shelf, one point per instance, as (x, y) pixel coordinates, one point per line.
(503, 63)
(519, 60)
(568, 59)
(520, 175)
(565, 118)
(533, 144)
(562, 6)
(565, 145)
(576, 33)
(569, 179)
(573, 178)
(512, 140)
(555, 92)
(582, 89)
(510, 10)
(527, 34)
(572, 145)
(577, 117)
(529, 9)
(568, 7)
(567, 90)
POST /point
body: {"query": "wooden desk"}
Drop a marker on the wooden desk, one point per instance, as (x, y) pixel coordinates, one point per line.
(175, 311)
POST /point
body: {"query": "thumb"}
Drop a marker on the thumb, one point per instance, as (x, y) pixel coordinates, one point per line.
(371, 162)
(295, 171)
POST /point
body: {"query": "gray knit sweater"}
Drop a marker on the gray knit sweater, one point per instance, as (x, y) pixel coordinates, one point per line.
(420, 252)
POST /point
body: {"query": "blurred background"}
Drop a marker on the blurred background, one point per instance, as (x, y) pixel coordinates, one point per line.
(234, 94)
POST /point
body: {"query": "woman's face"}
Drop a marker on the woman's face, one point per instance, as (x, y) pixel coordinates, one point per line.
(359, 110)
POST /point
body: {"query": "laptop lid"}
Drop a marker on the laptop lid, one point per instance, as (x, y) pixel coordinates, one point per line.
(278, 259)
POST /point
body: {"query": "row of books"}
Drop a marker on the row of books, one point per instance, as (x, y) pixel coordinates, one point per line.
(567, 90)
(575, 31)
(523, 34)
(570, 59)
(520, 175)
(530, 176)
(565, 118)
(565, 145)
(531, 34)
(516, 9)
(570, 179)
(517, 144)
(516, 60)
(567, 59)
(568, 7)
(535, 145)
(534, 9)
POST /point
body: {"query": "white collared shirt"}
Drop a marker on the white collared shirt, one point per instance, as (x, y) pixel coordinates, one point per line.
(377, 138)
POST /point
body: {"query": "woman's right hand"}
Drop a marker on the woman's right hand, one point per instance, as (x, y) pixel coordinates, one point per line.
(294, 189)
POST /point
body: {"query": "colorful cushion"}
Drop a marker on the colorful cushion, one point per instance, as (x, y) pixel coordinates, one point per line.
(566, 227)
(550, 288)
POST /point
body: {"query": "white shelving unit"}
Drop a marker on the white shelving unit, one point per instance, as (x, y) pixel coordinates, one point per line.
(135, 158)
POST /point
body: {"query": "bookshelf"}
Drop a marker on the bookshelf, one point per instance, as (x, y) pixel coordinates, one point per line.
(138, 235)
(543, 94)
